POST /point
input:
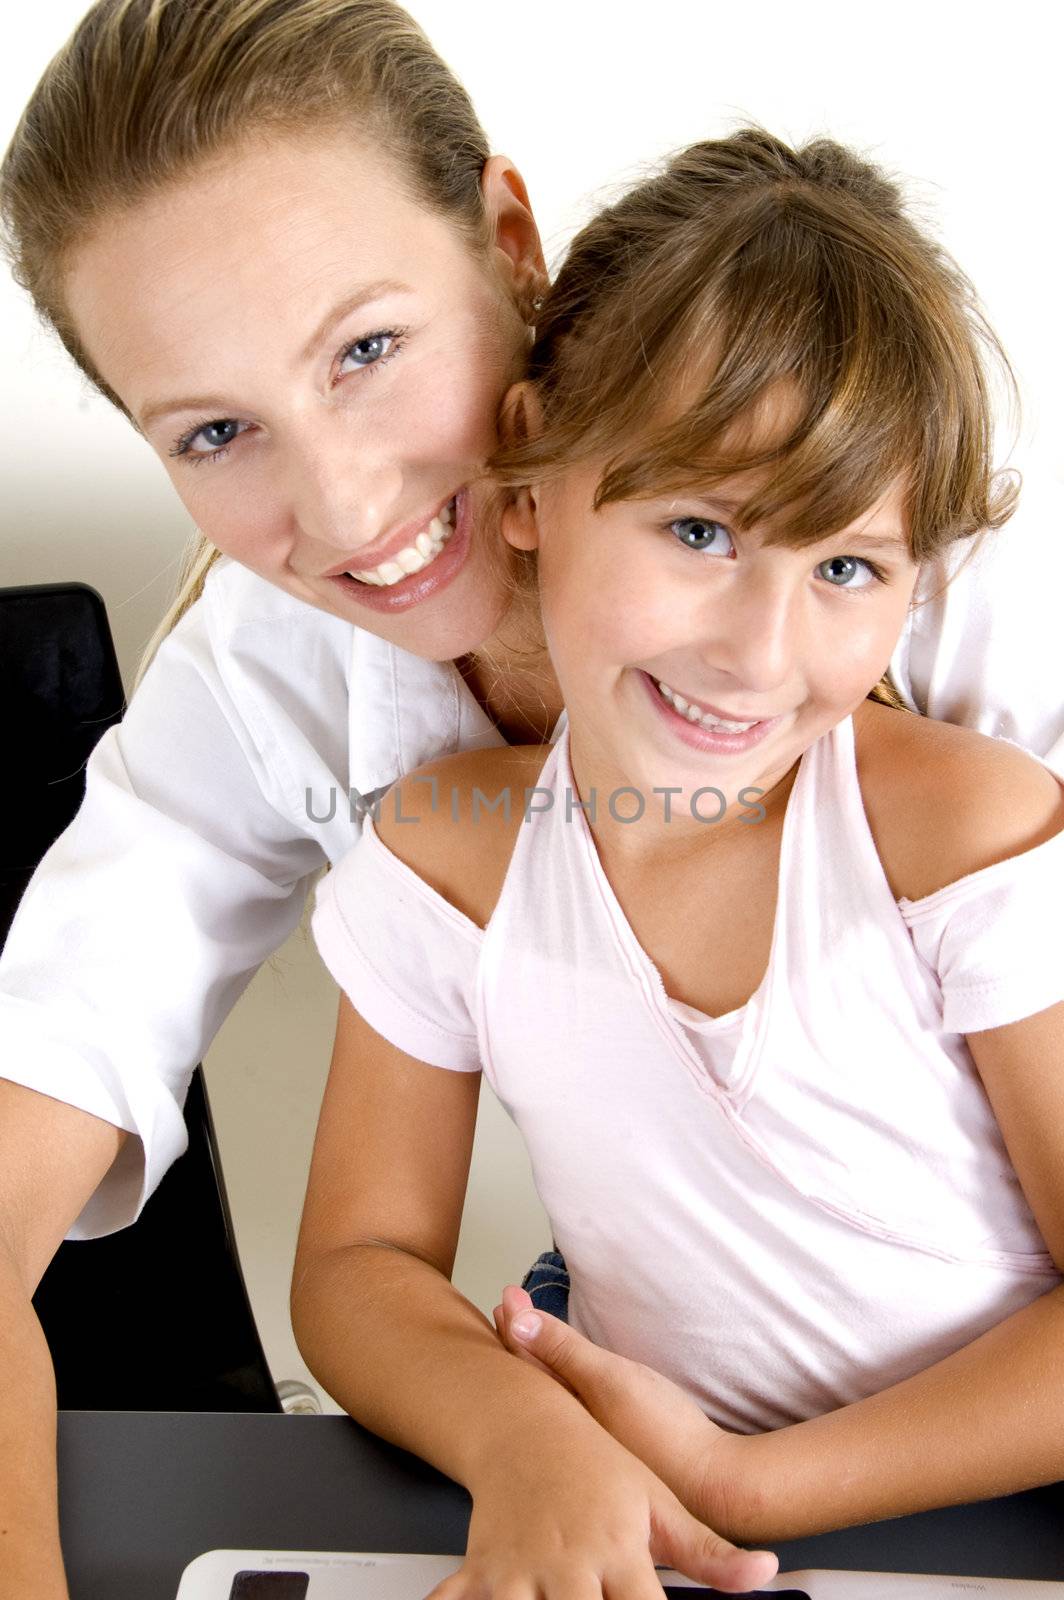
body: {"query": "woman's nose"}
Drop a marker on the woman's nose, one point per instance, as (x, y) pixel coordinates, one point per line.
(344, 492)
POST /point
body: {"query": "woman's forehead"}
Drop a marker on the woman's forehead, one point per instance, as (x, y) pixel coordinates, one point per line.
(267, 242)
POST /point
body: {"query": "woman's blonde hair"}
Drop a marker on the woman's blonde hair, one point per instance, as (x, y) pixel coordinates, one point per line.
(146, 90)
(747, 270)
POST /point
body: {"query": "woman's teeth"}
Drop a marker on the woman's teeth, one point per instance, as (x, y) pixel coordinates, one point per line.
(425, 548)
(693, 714)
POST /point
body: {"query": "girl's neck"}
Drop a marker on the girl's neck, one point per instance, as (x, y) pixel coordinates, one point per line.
(512, 679)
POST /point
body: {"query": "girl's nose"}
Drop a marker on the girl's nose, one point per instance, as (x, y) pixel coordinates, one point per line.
(753, 637)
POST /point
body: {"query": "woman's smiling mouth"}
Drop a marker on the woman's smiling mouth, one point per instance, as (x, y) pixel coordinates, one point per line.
(413, 557)
(420, 568)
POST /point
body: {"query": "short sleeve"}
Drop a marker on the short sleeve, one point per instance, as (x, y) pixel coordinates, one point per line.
(995, 939)
(405, 957)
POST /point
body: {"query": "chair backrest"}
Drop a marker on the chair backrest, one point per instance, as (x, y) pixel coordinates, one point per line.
(156, 1317)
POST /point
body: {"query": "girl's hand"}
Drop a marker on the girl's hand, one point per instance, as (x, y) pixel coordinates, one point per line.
(570, 1515)
(651, 1416)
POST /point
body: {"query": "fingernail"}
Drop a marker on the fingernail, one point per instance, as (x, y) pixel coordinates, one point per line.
(525, 1326)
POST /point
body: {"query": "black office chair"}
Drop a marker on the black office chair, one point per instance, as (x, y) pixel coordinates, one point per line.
(156, 1317)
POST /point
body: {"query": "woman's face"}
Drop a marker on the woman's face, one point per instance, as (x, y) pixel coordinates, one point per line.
(318, 361)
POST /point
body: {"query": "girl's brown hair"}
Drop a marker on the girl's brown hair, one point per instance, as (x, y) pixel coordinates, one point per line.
(747, 270)
(146, 90)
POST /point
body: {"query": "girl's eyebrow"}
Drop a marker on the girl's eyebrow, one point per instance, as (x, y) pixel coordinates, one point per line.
(890, 544)
(364, 295)
(893, 542)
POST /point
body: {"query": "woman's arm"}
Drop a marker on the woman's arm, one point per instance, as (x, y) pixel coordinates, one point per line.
(983, 647)
(556, 1501)
(51, 1159)
(145, 920)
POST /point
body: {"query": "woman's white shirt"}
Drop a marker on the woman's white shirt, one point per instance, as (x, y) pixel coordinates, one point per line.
(235, 776)
(242, 768)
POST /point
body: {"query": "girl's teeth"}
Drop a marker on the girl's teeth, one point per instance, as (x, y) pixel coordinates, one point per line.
(425, 548)
(693, 714)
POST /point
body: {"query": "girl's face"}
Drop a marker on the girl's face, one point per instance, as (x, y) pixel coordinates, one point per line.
(318, 361)
(655, 610)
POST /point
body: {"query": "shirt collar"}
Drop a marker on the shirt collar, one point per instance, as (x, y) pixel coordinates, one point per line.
(403, 711)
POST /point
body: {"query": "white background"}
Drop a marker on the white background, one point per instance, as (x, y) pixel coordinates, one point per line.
(581, 93)
(965, 97)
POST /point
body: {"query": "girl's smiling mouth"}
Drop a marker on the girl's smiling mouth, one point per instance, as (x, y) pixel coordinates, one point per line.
(698, 727)
(420, 568)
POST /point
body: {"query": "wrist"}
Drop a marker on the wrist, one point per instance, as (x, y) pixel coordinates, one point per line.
(731, 1498)
(542, 1418)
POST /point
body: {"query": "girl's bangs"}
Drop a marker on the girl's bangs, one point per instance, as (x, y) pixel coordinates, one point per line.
(799, 357)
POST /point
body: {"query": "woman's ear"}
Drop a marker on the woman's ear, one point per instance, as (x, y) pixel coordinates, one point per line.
(514, 232)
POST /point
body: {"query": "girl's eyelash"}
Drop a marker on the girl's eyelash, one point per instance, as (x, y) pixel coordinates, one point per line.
(182, 446)
(880, 574)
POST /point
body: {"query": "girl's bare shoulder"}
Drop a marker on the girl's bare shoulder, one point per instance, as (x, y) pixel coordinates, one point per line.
(944, 801)
(454, 821)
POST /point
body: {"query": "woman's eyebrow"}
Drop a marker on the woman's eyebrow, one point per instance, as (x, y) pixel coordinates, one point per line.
(364, 295)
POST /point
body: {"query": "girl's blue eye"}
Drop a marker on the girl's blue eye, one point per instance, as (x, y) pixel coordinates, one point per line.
(371, 350)
(840, 569)
(700, 533)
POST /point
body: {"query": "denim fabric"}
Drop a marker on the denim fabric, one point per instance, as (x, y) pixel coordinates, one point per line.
(547, 1282)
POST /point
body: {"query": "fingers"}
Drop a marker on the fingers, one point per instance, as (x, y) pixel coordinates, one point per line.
(578, 1365)
(679, 1540)
(515, 1300)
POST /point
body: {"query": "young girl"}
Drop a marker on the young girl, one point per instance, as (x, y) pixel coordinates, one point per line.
(766, 970)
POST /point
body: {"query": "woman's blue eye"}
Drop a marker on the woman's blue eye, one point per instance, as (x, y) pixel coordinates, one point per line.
(369, 351)
(699, 533)
(840, 569)
(215, 438)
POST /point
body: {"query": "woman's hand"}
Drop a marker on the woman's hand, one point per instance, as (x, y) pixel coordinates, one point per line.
(651, 1416)
(569, 1514)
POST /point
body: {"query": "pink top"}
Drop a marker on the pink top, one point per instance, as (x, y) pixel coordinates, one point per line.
(785, 1208)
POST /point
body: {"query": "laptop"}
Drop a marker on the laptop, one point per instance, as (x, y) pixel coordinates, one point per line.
(321, 1575)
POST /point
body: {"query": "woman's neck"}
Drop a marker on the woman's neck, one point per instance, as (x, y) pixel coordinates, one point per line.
(512, 679)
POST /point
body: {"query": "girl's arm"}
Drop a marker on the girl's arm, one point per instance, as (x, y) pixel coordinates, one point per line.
(988, 1420)
(556, 1502)
(51, 1159)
